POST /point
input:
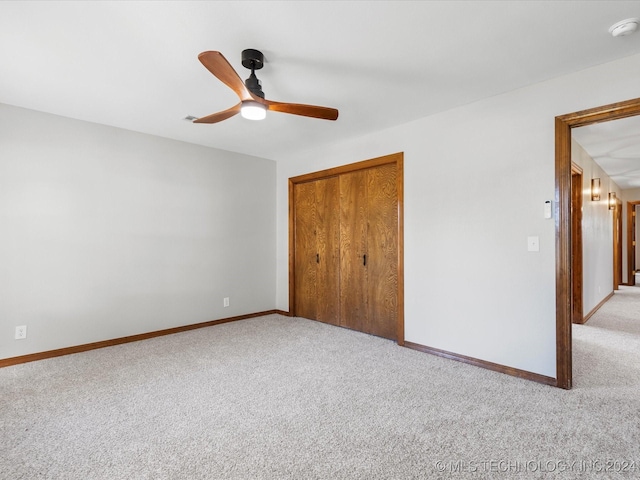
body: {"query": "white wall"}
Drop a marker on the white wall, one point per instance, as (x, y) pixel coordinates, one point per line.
(106, 233)
(597, 231)
(476, 179)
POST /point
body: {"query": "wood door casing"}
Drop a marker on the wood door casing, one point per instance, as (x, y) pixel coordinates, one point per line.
(577, 312)
(633, 246)
(631, 240)
(617, 245)
(632, 250)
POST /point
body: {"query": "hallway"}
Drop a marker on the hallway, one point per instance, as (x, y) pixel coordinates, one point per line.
(606, 350)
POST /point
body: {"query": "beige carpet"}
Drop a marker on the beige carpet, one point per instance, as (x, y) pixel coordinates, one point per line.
(285, 398)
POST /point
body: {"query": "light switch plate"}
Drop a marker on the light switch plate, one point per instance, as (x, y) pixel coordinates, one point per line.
(533, 244)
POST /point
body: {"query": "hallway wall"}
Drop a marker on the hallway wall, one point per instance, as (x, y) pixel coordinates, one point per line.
(597, 231)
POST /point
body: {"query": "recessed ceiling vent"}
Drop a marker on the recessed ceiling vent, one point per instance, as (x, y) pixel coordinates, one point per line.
(624, 27)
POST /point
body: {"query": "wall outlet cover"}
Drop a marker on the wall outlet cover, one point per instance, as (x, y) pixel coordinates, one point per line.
(21, 332)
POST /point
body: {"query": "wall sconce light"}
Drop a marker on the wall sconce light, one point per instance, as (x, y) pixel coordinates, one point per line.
(595, 189)
(612, 200)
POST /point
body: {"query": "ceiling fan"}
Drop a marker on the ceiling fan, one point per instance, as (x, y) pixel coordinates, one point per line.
(252, 104)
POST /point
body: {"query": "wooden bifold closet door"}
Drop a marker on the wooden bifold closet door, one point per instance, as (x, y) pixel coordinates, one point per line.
(317, 258)
(346, 250)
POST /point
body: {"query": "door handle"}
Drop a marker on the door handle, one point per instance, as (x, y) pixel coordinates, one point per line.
(364, 260)
(317, 258)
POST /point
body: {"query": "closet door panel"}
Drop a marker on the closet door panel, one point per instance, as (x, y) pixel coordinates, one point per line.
(305, 254)
(382, 257)
(328, 253)
(353, 248)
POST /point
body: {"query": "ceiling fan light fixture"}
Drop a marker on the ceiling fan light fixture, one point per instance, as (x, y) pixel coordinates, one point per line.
(253, 110)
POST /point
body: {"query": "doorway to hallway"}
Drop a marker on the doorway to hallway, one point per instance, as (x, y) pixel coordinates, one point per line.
(564, 247)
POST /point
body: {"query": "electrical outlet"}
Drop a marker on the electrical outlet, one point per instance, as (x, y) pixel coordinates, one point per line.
(225, 301)
(21, 332)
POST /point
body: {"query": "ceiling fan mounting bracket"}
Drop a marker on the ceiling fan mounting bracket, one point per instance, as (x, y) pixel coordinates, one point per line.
(252, 59)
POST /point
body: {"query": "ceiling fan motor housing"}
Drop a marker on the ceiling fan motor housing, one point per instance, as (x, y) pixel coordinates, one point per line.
(253, 84)
(253, 60)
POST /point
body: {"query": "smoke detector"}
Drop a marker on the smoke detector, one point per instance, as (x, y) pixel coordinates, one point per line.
(624, 27)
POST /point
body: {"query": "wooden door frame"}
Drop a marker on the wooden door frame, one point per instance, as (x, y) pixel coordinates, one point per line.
(631, 249)
(398, 160)
(577, 313)
(617, 244)
(563, 126)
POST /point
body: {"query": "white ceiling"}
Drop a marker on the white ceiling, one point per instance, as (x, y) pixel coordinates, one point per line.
(381, 63)
(615, 146)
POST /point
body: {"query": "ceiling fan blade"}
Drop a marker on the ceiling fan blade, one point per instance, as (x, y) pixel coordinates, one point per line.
(222, 69)
(220, 116)
(313, 111)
